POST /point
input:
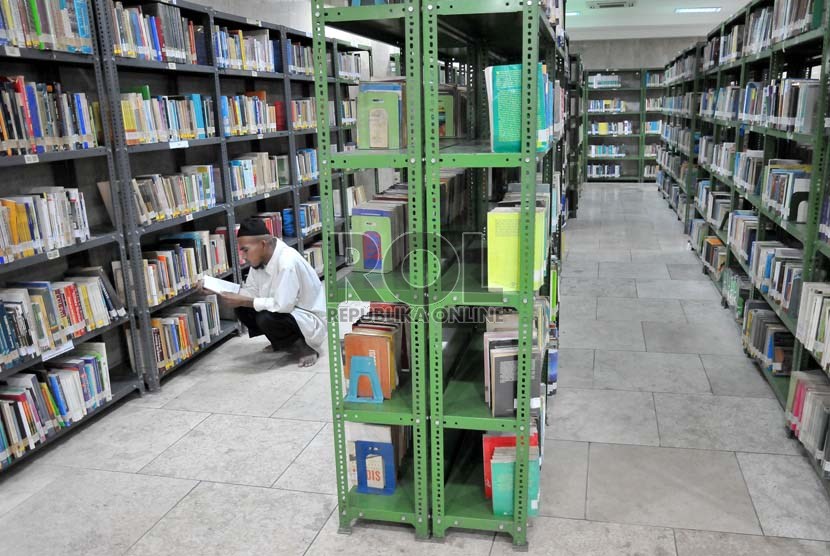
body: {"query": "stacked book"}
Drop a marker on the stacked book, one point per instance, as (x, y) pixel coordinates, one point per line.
(381, 118)
(182, 331)
(766, 339)
(774, 268)
(377, 227)
(299, 59)
(162, 197)
(156, 31)
(36, 405)
(758, 30)
(41, 220)
(611, 105)
(249, 114)
(731, 44)
(41, 318)
(790, 18)
(62, 26)
(808, 415)
(604, 171)
(606, 151)
(158, 119)
(41, 118)
(245, 50)
(503, 224)
(742, 231)
(306, 160)
(348, 65)
(255, 173)
(304, 114)
(749, 167)
(711, 53)
(604, 81)
(390, 442)
(785, 188)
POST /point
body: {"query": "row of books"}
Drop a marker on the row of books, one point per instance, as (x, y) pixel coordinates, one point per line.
(246, 50)
(311, 217)
(680, 137)
(748, 169)
(668, 159)
(720, 103)
(348, 112)
(349, 65)
(313, 254)
(758, 31)
(607, 150)
(775, 269)
(182, 331)
(41, 318)
(604, 171)
(711, 53)
(719, 156)
(654, 127)
(651, 150)
(156, 31)
(612, 105)
(679, 104)
(680, 69)
(499, 453)
(654, 104)
(808, 415)
(162, 197)
(42, 117)
(714, 205)
(654, 79)
(604, 81)
(306, 161)
(504, 95)
(785, 188)
(36, 405)
(711, 249)
(255, 173)
(624, 127)
(159, 119)
(47, 25)
(250, 114)
(388, 444)
(736, 290)
(731, 44)
(766, 339)
(383, 336)
(812, 321)
(40, 220)
(741, 233)
(304, 113)
(650, 171)
(355, 195)
(379, 229)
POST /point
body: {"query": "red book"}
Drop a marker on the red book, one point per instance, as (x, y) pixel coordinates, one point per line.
(490, 443)
(280, 111)
(192, 32)
(20, 89)
(161, 39)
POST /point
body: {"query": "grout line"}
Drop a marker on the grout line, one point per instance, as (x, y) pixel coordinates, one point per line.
(746, 486)
(587, 481)
(207, 416)
(297, 391)
(317, 534)
(656, 419)
(705, 372)
(298, 455)
(674, 536)
(153, 526)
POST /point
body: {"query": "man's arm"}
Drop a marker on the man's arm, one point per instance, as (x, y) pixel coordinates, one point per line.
(284, 293)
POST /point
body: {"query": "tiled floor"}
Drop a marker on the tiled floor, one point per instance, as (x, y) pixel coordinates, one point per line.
(665, 440)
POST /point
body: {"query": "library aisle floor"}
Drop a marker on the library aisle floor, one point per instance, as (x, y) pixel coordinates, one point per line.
(664, 439)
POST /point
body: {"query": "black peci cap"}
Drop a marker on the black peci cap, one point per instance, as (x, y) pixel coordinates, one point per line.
(252, 227)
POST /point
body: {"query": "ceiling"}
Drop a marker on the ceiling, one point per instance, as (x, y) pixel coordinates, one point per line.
(647, 19)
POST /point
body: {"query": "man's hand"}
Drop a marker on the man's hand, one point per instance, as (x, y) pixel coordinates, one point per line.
(234, 300)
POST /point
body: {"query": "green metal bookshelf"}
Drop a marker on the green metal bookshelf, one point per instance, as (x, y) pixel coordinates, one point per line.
(634, 88)
(795, 56)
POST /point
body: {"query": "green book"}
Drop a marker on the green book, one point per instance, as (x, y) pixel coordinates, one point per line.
(502, 468)
(375, 226)
(143, 90)
(379, 119)
(446, 115)
(504, 95)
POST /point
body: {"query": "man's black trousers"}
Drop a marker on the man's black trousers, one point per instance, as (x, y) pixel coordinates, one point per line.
(280, 328)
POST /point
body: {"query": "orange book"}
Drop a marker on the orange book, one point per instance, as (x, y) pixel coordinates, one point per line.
(261, 95)
(379, 348)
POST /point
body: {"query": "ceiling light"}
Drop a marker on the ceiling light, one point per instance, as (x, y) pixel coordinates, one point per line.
(709, 10)
(571, 14)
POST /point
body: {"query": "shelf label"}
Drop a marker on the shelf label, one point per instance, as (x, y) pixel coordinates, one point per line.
(254, 73)
(188, 218)
(266, 195)
(12, 51)
(307, 34)
(171, 65)
(53, 254)
(354, 44)
(250, 21)
(31, 159)
(59, 350)
(259, 135)
(178, 144)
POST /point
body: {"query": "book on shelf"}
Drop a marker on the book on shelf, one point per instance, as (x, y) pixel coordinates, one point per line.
(742, 231)
(182, 331)
(298, 58)
(50, 25)
(503, 224)
(766, 339)
(382, 341)
(223, 231)
(381, 118)
(758, 30)
(395, 438)
(349, 65)
(731, 44)
(313, 254)
(37, 404)
(166, 118)
(504, 95)
(604, 170)
(378, 229)
(306, 165)
(604, 81)
(311, 217)
(452, 111)
(255, 173)
(785, 188)
(247, 114)
(492, 441)
(808, 415)
(158, 32)
(502, 469)
(41, 220)
(813, 308)
(790, 18)
(355, 195)
(304, 114)
(42, 118)
(251, 50)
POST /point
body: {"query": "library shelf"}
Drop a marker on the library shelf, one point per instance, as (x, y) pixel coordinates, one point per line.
(181, 296)
(47, 157)
(172, 222)
(154, 65)
(256, 136)
(97, 240)
(227, 329)
(262, 196)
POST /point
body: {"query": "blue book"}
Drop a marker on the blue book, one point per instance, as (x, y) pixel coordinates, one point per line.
(200, 117)
(31, 97)
(224, 116)
(57, 394)
(289, 57)
(81, 121)
(277, 55)
(84, 27)
(154, 38)
(137, 33)
(3, 40)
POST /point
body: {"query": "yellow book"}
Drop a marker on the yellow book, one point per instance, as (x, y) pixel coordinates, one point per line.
(15, 231)
(602, 128)
(23, 231)
(89, 314)
(503, 248)
(242, 50)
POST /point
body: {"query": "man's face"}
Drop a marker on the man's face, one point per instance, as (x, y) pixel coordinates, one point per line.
(255, 249)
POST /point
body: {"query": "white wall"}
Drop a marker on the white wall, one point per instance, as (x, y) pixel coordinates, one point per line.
(630, 53)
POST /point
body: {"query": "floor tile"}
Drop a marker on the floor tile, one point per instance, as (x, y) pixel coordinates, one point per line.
(672, 256)
(580, 270)
(125, 439)
(642, 271)
(564, 478)
(312, 402)
(676, 289)
(576, 368)
(671, 337)
(398, 539)
(242, 391)
(549, 536)
(598, 287)
(91, 513)
(709, 312)
(722, 423)
(314, 469)
(577, 307)
(687, 272)
(231, 519)
(603, 416)
(172, 387)
(650, 372)
(236, 449)
(598, 334)
(735, 375)
(670, 487)
(708, 543)
(655, 310)
(788, 496)
(595, 255)
(26, 480)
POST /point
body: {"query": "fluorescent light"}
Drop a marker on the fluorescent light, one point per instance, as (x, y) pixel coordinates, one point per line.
(713, 9)
(571, 14)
